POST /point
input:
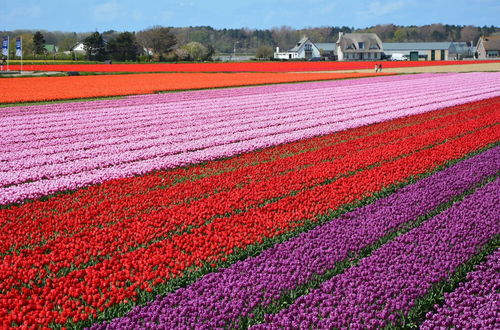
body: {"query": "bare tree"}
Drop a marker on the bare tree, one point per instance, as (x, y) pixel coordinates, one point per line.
(469, 33)
(158, 39)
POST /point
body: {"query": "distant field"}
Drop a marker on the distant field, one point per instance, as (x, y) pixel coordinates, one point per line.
(237, 67)
(34, 89)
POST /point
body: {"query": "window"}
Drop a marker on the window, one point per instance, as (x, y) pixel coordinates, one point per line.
(361, 45)
(493, 53)
(308, 47)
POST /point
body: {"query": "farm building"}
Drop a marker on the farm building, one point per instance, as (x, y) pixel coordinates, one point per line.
(488, 47)
(328, 50)
(359, 47)
(304, 49)
(429, 51)
(78, 48)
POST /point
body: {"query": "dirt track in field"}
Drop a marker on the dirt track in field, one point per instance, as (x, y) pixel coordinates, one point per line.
(439, 68)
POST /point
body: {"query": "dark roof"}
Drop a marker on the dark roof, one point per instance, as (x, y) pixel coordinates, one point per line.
(392, 46)
(327, 46)
(491, 43)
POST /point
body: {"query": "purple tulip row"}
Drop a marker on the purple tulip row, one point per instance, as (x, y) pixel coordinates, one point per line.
(475, 304)
(216, 128)
(386, 284)
(219, 299)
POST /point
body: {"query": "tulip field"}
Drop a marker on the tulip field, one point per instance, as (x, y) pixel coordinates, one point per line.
(285, 66)
(363, 203)
(36, 89)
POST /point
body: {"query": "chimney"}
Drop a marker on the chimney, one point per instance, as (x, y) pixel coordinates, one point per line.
(341, 34)
(277, 49)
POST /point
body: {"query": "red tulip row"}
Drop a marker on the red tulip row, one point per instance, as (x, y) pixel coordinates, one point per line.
(133, 197)
(305, 173)
(41, 298)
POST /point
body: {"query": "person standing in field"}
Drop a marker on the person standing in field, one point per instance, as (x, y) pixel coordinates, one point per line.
(380, 67)
(4, 62)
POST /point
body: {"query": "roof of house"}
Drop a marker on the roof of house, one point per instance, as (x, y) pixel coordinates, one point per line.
(330, 46)
(349, 42)
(461, 47)
(50, 48)
(389, 46)
(491, 42)
(299, 44)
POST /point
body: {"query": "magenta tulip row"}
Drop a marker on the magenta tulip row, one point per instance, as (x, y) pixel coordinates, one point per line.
(67, 151)
(386, 284)
(475, 304)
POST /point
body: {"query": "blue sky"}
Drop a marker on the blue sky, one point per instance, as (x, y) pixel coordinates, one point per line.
(128, 15)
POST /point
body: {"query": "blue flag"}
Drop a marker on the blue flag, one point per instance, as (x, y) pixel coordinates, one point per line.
(19, 46)
(5, 46)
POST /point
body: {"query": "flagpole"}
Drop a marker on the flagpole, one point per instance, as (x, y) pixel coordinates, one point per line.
(21, 54)
(8, 55)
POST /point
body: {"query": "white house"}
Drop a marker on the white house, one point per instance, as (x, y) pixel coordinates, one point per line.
(304, 49)
(78, 48)
(359, 47)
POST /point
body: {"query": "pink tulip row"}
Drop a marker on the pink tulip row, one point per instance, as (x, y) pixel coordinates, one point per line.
(69, 124)
(40, 110)
(68, 151)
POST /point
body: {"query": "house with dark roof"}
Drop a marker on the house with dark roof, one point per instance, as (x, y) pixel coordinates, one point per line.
(488, 47)
(359, 47)
(304, 49)
(327, 50)
(430, 51)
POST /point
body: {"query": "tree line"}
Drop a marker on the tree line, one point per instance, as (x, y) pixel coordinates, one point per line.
(200, 43)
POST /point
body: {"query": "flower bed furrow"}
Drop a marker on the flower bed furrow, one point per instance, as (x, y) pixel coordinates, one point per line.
(61, 253)
(51, 178)
(474, 304)
(155, 200)
(385, 285)
(85, 292)
(257, 282)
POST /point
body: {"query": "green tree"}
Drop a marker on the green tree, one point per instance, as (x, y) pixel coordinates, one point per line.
(95, 47)
(159, 39)
(38, 43)
(124, 47)
(264, 52)
(66, 43)
(401, 35)
(196, 51)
